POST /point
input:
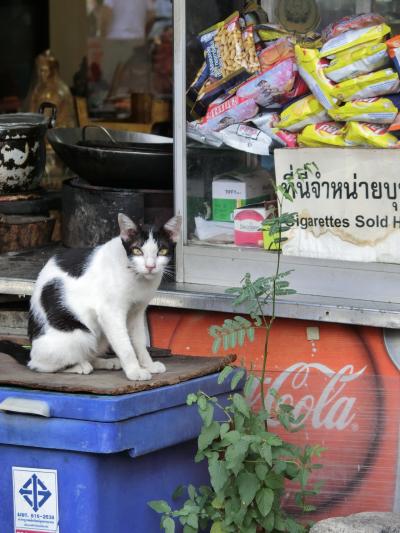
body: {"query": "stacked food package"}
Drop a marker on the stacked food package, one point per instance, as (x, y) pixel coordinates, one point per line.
(261, 87)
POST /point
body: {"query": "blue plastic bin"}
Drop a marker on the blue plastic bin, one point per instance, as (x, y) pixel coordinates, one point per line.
(109, 455)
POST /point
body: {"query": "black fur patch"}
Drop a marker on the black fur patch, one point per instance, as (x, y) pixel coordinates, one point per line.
(35, 329)
(138, 238)
(74, 261)
(58, 315)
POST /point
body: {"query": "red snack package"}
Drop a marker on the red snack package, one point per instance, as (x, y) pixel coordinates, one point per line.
(354, 22)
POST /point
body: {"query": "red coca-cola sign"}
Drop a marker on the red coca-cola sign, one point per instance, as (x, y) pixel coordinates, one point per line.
(342, 378)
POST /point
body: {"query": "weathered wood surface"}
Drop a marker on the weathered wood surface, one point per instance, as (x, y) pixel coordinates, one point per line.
(23, 232)
(110, 382)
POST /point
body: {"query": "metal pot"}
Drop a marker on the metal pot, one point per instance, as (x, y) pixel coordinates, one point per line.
(23, 148)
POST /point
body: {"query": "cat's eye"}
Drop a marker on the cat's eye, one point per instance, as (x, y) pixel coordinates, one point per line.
(137, 251)
(163, 251)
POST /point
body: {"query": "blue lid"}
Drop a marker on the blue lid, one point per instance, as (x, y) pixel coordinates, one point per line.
(115, 408)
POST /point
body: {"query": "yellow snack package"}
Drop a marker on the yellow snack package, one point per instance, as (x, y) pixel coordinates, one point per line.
(301, 113)
(322, 135)
(384, 81)
(352, 38)
(374, 110)
(311, 69)
(364, 134)
(271, 32)
(350, 51)
(358, 62)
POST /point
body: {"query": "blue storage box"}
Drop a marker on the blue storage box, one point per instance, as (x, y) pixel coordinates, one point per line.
(90, 464)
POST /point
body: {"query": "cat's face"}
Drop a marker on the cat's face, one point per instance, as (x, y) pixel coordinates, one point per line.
(149, 249)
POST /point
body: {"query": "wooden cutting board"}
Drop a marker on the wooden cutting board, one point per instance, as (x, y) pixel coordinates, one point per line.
(110, 382)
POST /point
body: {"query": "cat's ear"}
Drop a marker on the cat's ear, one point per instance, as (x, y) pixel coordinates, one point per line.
(173, 227)
(127, 227)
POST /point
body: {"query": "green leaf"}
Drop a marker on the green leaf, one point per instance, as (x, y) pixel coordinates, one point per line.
(178, 492)
(264, 500)
(202, 403)
(274, 481)
(193, 521)
(224, 374)
(273, 440)
(216, 344)
(217, 503)
(240, 403)
(250, 334)
(191, 398)
(248, 388)
(207, 435)
(223, 429)
(268, 522)
(191, 492)
(280, 523)
(189, 529)
(168, 524)
(159, 506)
(236, 378)
(266, 453)
(207, 414)
(241, 336)
(218, 474)
(217, 528)
(235, 455)
(261, 471)
(248, 485)
(225, 342)
(232, 436)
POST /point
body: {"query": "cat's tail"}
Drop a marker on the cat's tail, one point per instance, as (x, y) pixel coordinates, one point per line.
(20, 353)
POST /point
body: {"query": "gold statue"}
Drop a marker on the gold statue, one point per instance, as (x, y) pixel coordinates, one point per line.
(49, 87)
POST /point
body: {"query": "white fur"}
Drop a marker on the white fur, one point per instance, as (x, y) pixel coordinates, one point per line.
(110, 298)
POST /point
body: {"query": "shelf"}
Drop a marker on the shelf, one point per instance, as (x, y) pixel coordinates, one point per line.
(19, 272)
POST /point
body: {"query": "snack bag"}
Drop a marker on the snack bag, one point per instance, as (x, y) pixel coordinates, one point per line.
(364, 134)
(223, 47)
(305, 111)
(356, 63)
(287, 137)
(252, 62)
(271, 32)
(266, 87)
(275, 51)
(232, 110)
(248, 139)
(345, 53)
(374, 110)
(213, 89)
(393, 46)
(197, 133)
(300, 88)
(198, 82)
(352, 38)
(322, 135)
(265, 121)
(311, 69)
(353, 22)
(384, 81)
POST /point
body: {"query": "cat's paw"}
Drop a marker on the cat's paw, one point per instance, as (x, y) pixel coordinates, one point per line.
(81, 368)
(137, 374)
(156, 367)
(107, 364)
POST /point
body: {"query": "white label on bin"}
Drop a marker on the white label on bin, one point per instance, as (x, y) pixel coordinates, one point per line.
(35, 496)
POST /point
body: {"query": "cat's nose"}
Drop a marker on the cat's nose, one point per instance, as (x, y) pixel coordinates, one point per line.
(150, 268)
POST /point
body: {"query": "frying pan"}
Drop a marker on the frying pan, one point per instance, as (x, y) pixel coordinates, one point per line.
(115, 158)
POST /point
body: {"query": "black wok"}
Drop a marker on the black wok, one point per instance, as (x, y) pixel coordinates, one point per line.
(115, 158)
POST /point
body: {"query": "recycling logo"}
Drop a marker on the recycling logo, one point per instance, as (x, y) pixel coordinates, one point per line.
(35, 492)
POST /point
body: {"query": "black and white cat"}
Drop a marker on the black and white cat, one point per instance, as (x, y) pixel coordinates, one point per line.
(87, 300)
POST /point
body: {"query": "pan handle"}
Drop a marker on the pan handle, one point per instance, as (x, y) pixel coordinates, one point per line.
(104, 130)
(53, 116)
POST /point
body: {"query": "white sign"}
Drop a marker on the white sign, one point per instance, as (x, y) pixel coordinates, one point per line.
(35, 495)
(347, 205)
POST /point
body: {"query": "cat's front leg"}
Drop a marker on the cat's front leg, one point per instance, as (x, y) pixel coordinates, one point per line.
(137, 333)
(113, 323)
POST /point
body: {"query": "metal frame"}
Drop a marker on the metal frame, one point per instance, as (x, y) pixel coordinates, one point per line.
(351, 292)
